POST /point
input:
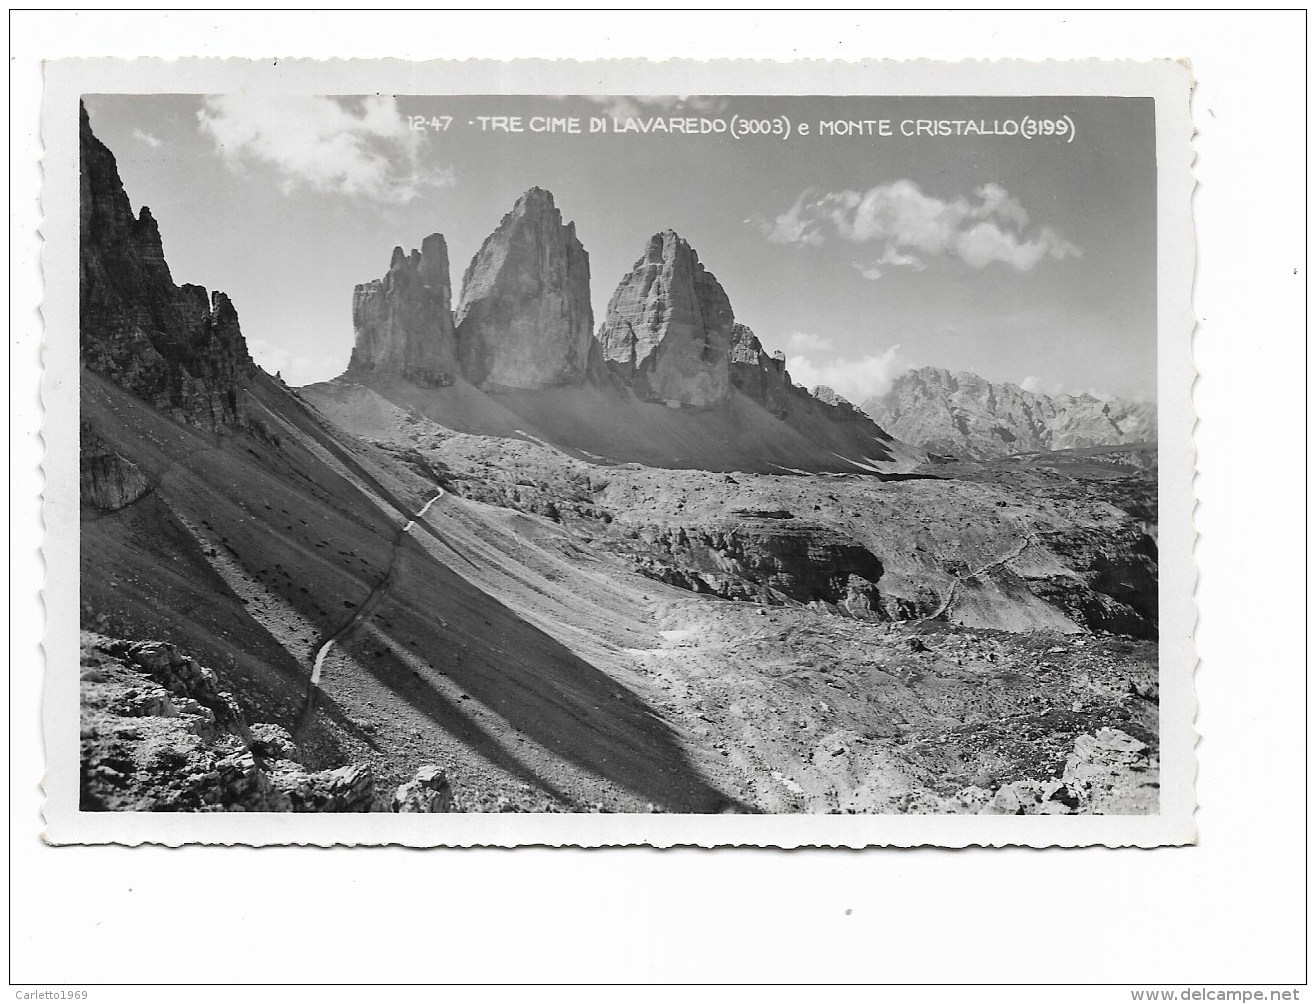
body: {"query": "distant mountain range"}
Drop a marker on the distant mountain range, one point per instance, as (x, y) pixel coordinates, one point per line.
(963, 415)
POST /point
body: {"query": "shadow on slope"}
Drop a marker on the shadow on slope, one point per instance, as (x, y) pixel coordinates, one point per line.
(248, 551)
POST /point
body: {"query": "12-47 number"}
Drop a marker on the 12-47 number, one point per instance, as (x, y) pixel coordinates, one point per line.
(439, 123)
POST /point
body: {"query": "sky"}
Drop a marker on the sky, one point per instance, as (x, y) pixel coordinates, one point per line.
(857, 250)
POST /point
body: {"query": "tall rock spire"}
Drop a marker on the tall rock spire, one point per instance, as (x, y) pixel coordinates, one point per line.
(667, 332)
(404, 322)
(525, 319)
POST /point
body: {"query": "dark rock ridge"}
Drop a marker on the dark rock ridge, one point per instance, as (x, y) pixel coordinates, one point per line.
(667, 333)
(403, 321)
(525, 319)
(765, 380)
(963, 415)
(177, 347)
(760, 377)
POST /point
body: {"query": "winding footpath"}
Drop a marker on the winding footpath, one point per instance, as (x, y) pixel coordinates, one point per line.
(317, 667)
(943, 609)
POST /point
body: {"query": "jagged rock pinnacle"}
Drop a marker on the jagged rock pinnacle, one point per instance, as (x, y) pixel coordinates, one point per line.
(525, 318)
(667, 332)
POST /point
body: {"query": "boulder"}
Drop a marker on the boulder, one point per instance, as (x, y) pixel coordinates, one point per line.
(667, 333)
(525, 319)
(428, 791)
(273, 742)
(1112, 773)
(343, 789)
(107, 480)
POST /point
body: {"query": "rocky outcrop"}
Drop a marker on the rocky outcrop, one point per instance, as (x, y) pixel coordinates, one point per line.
(107, 480)
(428, 791)
(963, 415)
(158, 734)
(340, 789)
(760, 377)
(177, 347)
(768, 557)
(403, 321)
(1109, 582)
(1108, 773)
(1112, 772)
(525, 319)
(667, 333)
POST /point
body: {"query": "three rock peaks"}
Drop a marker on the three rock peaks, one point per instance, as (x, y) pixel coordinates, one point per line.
(525, 320)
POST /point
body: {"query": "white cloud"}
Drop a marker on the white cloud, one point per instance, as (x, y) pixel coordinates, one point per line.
(890, 258)
(912, 227)
(1031, 383)
(803, 341)
(154, 142)
(854, 379)
(362, 149)
(297, 371)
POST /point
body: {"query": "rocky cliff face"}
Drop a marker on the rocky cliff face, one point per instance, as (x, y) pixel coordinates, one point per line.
(963, 415)
(668, 329)
(759, 376)
(177, 347)
(766, 556)
(404, 321)
(525, 319)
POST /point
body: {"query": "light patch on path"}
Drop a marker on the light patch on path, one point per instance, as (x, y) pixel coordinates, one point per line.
(681, 638)
(779, 776)
(319, 661)
(1030, 538)
(421, 515)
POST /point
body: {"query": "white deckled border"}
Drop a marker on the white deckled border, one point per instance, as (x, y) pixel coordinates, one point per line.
(1169, 83)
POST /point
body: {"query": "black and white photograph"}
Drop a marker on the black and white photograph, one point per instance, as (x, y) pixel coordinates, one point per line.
(684, 455)
(633, 498)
